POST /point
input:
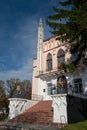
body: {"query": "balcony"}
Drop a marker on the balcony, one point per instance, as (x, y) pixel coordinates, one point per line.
(57, 90)
(50, 74)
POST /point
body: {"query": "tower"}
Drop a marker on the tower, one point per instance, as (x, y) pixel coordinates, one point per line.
(37, 64)
(40, 46)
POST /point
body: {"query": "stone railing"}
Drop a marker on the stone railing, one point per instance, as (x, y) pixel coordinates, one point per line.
(18, 106)
(37, 97)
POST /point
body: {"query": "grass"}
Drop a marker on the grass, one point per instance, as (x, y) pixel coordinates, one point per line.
(76, 126)
(3, 117)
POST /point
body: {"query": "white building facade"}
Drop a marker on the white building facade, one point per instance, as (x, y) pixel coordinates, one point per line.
(49, 81)
(47, 71)
(68, 91)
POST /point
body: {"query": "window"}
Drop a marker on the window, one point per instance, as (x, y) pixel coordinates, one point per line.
(49, 62)
(49, 88)
(61, 57)
(78, 85)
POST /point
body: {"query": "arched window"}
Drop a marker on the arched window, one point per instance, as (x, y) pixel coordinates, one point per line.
(61, 57)
(49, 62)
(61, 84)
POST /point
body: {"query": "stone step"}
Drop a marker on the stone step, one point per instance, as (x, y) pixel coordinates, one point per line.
(41, 113)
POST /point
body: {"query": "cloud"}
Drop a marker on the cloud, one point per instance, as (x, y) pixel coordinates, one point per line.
(25, 72)
(21, 51)
(27, 34)
(19, 61)
(20, 44)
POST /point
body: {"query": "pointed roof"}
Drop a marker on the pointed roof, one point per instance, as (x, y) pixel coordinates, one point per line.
(40, 23)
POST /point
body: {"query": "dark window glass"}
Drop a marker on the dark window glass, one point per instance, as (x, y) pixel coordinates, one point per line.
(49, 88)
(78, 85)
(61, 57)
(49, 62)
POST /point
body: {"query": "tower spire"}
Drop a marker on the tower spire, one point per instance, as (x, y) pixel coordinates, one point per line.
(40, 23)
(40, 44)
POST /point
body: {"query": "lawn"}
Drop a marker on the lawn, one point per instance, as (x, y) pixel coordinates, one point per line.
(76, 126)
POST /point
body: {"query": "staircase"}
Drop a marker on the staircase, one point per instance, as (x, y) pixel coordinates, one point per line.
(41, 113)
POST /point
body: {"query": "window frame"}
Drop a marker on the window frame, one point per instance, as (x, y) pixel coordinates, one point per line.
(49, 62)
(78, 85)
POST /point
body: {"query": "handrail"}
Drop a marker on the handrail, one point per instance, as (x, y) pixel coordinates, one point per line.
(37, 97)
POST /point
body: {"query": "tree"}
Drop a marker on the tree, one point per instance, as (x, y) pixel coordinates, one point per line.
(26, 86)
(69, 23)
(2, 91)
(11, 87)
(18, 88)
(3, 97)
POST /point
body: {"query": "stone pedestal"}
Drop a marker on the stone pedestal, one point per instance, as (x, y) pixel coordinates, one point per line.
(59, 108)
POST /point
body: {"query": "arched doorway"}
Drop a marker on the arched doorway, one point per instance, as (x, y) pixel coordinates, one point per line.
(61, 84)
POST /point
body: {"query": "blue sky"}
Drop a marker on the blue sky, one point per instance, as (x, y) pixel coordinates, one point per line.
(19, 21)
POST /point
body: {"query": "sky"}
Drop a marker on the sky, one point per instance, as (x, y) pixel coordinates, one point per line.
(19, 21)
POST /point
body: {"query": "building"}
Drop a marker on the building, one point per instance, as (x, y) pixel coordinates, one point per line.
(58, 96)
(51, 82)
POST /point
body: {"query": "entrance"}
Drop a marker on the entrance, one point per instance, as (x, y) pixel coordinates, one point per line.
(61, 84)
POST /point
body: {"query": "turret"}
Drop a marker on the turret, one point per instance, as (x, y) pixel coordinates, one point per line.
(40, 45)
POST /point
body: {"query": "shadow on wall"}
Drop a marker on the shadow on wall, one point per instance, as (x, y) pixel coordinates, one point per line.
(76, 109)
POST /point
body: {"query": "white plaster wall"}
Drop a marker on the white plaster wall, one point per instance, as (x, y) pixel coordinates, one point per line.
(41, 87)
(44, 87)
(48, 97)
(18, 106)
(59, 108)
(44, 84)
(34, 79)
(54, 81)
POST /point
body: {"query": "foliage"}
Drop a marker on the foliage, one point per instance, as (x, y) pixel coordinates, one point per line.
(26, 85)
(4, 104)
(18, 88)
(11, 87)
(2, 91)
(3, 100)
(3, 117)
(69, 23)
(76, 126)
(9, 90)
(69, 67)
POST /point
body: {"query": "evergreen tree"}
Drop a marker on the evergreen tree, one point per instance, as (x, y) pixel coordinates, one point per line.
(69, 23)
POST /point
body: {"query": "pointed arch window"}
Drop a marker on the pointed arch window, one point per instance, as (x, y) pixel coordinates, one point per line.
(61, 57)
(49, 62)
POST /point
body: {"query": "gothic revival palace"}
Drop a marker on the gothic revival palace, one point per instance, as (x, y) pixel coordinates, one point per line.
(48, 76)
(67, 90)
(58, 97)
